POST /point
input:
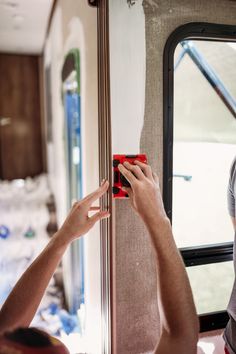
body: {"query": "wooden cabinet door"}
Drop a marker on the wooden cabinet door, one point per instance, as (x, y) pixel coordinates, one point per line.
(20, 122)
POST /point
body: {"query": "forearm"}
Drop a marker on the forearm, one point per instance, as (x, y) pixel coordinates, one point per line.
(176, 305)
(179, 323)
(22, 304)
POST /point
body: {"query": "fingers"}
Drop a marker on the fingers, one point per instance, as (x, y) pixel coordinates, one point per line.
(94, 208)
(127, 174)
(99, 216)
(98, 193)
(145, 168)
(135, 169)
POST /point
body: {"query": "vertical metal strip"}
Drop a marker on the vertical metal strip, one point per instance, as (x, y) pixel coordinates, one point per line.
(105, 167)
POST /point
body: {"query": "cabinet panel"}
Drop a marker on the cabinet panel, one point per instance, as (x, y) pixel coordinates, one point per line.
(20, 133)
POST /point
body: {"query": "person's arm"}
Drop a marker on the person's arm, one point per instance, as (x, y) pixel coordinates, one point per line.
(179, 322)
(22, 303)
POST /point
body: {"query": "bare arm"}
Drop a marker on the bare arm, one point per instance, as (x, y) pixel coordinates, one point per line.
(179, 322)
(22, 303)
(234, 222)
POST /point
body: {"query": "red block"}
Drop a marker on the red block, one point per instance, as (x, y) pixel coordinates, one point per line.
(119, 180)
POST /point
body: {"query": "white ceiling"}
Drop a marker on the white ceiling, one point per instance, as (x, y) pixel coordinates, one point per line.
(23, 25)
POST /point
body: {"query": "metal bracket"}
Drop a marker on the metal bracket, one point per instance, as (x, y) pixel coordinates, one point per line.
(93, 3)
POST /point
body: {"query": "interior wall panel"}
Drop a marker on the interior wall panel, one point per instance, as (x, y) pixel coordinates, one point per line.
(74, 25)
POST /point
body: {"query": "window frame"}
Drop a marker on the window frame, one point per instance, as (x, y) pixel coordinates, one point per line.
(212, 253)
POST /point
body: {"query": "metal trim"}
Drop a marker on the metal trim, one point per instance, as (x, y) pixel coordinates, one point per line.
(213, 321)
(105, 169)
(194, 256)
(210, 75)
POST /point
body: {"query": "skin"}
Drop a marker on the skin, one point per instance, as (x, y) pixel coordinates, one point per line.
(179, 322)
(22, 303)
(234, 222)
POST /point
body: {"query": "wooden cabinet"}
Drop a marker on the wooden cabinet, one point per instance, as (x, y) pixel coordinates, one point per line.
(20, 121)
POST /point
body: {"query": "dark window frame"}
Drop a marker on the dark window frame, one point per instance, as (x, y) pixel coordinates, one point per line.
(200, 255)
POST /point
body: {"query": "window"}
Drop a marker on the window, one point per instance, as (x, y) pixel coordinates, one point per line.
(211, 285)
(72, 114)
(204, 140)
(199, 146)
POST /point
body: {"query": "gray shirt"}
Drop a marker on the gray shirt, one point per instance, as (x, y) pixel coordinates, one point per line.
(230, 331)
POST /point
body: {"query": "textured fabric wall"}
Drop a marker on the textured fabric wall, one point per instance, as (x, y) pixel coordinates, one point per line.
(136, 319)
(136, 300)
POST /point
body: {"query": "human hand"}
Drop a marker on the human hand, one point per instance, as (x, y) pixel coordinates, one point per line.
(144, 193)
(78, 221)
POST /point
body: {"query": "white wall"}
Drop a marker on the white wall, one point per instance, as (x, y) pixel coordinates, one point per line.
(74, 25)
(127, 65)
(53, 56)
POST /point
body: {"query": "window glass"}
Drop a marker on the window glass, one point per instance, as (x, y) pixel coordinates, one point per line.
(74, 176)
(211, 285)
(204, 141)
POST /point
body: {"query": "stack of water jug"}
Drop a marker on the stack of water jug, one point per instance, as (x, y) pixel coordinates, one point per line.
(24, 217)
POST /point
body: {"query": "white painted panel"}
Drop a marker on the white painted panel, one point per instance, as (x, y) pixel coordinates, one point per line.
(127, 65)
(78, 29)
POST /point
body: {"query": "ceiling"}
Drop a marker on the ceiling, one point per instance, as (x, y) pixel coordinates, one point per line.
(23, 25)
